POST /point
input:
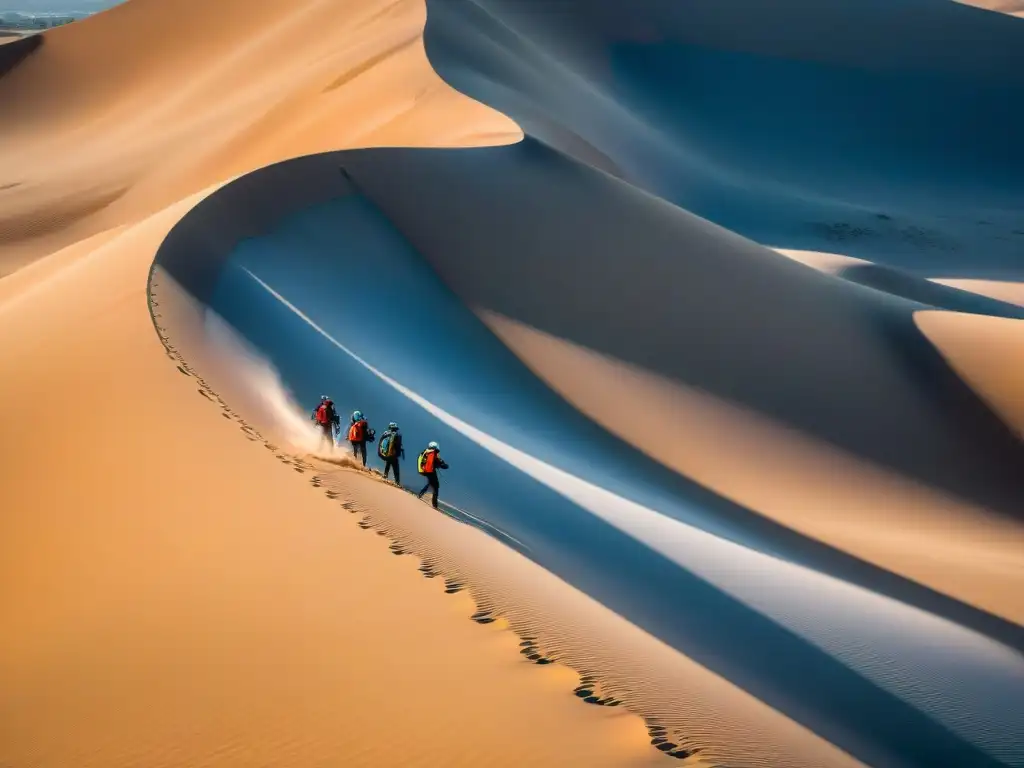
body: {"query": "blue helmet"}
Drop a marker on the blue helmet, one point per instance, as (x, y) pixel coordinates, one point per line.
(357, 415)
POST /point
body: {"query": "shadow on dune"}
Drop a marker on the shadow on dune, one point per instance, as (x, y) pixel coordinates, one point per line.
(797, 125)
(15, 52)
(515, 229)
(674, 294)
(849, 126)
(887, 131)
(927, 293)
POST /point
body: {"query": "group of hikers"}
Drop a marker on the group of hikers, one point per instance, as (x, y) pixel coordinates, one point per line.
(389, 447)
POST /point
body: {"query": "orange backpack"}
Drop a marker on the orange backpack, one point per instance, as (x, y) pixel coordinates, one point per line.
(426, 461)
(357, 432)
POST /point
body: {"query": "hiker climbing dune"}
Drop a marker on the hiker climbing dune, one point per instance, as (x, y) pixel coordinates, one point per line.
(390, 449)
(326, 418)
(428, 464)
(359, 434)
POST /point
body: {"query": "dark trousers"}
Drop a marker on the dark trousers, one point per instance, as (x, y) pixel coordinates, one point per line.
(389, 464)
(359, 448)
(327, 436)
(432, 482)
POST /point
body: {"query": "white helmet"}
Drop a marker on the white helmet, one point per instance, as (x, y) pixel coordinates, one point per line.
(433, 446)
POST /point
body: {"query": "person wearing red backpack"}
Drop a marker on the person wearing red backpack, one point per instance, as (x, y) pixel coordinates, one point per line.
(325, 417)
(428, 463)
(359, 434)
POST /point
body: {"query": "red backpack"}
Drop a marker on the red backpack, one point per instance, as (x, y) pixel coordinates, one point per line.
(323, 417)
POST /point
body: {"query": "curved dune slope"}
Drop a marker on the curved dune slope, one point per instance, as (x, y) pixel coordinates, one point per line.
(172, 595)
(684, 344)
(988, 353)
(700, 305)
(1006, 291)
(654, 547)
(15, 50)
(981, 297)
(668, 293)
(885, 130)
(185, 97)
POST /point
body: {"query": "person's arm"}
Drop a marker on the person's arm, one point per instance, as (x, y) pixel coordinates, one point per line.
(441, 463)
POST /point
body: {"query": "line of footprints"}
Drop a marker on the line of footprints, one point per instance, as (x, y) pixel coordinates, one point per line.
(588, 688)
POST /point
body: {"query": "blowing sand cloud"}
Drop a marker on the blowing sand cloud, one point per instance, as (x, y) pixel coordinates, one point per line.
(251, 378)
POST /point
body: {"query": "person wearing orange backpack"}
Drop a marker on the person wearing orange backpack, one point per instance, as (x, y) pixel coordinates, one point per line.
(428, 463)
(359, 434)
(326, 418)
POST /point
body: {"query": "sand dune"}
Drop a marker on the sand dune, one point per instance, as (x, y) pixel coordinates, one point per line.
(169, 597)
(88, 146)
(172, 598)
(864, 380)
(809, 486)
(985, 297)
(988, 352)
(894, 141)
(1011, 7)
(273, 271)
(1002, 290)
(713, 349)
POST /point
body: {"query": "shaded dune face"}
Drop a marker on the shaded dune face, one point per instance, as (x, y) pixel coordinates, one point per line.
(17, 50)
(670, 148)
(351, 283)
(674, 294)
(888, 131)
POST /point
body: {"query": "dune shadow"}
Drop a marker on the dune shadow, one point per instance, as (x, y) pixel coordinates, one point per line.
(16, 51)
(339, 267)
(885, 131)
(664, 141)
(927, 293)
(672, 293)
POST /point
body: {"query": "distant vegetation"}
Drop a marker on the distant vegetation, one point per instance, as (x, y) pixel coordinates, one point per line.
(30, 15)
(23, 22)
(75, 8)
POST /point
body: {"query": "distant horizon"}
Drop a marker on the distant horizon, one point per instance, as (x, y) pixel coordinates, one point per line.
(57, 7)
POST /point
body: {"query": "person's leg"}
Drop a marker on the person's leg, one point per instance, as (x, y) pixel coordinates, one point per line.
(355, 449)
(425, 487)
(436, 485)
(387, 468)
(394, 463)
(362, 451)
